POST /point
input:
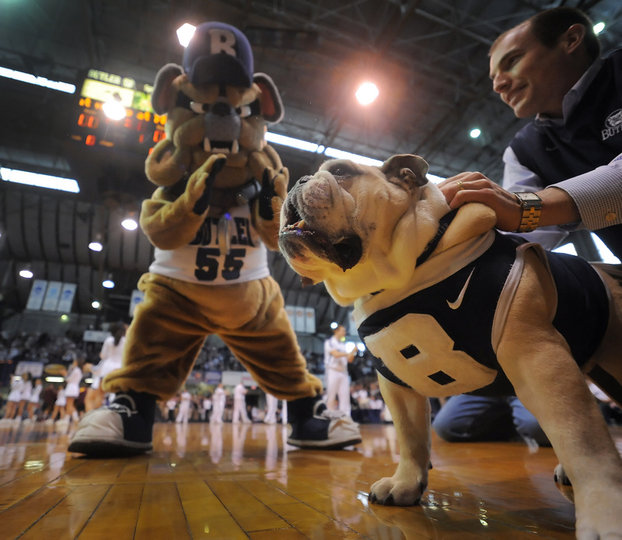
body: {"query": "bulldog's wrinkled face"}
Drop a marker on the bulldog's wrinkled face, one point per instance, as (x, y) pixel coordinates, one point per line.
(341, 224)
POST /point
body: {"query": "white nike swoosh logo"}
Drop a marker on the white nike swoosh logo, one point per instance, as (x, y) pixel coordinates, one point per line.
(458, 301)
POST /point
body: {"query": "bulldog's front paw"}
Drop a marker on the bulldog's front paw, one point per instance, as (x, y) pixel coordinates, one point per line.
(393, 491)
(599, 513)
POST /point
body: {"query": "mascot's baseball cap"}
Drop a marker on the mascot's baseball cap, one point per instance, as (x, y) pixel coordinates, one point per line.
(219, 53)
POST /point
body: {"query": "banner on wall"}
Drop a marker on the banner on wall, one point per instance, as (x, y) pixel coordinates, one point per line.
(309, 320)
(302, 319)
(67, 294)
(52, 295)
(37, 294)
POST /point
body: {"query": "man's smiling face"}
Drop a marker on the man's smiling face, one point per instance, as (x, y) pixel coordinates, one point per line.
(529, 77)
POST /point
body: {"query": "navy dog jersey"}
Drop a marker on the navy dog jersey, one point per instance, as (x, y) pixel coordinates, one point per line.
(439, 340)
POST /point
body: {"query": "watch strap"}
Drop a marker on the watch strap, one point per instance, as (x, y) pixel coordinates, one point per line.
(531, 209)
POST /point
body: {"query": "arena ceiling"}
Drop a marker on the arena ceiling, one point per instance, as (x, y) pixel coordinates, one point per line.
(429, 58)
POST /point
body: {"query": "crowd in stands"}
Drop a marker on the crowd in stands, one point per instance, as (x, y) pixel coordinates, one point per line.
(36, 399)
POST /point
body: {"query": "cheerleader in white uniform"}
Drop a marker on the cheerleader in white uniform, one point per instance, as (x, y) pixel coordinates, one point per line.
(72, 386)
(111, 356)
(59, 407)
(183, 415)
(13, 399)
(219, 400)
(24, 396)
(33, 402)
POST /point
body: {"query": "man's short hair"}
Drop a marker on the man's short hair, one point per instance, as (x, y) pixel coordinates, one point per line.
(548, 25)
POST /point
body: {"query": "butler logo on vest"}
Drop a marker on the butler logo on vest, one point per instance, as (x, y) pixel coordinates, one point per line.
(613, 125)
(447, 305)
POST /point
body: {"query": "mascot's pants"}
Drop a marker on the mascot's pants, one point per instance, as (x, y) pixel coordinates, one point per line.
(170, 325)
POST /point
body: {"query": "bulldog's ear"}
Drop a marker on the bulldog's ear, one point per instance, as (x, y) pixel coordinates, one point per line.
(270, 100)
(407, 167)
(164, 94)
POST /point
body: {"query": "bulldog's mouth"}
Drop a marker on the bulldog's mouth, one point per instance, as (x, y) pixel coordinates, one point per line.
(344, 250)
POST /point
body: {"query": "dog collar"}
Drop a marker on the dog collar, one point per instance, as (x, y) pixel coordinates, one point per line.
(443, 224)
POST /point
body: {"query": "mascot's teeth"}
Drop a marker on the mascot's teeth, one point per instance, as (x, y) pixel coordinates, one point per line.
(207, 145)
(235, 147)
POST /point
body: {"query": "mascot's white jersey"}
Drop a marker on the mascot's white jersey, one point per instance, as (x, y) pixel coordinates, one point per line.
(223, 252)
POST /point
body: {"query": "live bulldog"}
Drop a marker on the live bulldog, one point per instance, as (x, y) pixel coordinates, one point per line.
(448, 305)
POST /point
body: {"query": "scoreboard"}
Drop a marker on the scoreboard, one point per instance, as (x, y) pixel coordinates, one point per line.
(138, 130)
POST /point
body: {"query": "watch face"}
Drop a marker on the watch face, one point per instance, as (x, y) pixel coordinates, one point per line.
(528, 196)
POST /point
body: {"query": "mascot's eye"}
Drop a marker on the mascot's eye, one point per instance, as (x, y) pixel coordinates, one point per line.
(342, 169)
(199, 108)
(244, 111)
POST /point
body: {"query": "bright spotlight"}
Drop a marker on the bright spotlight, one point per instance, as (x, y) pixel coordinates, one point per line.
(367, 93)
(96, 246)
(185, 33)
(475, 133)
(598, 27)
(114, 109)
(96, 304)
(334, 325)
(129, 224)
(26, 273)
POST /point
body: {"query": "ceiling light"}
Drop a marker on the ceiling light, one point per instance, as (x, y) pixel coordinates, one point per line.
(96, 304)
(37, 81)
(96, 244)
(475, 133)
(113, 108)
(39, 180)
(366, 93)
(334, 325)
(185, 33)
(291, 142)
(299, 144)
(129, 224)
(26, 273)
(108, 283)
(598, 27)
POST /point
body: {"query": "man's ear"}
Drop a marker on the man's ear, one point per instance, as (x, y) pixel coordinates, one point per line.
(573, 37)
(408, 168)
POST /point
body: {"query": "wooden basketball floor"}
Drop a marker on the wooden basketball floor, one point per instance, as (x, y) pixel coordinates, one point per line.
(243, 481)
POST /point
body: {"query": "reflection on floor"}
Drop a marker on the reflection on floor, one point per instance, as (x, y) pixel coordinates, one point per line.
(243, 481)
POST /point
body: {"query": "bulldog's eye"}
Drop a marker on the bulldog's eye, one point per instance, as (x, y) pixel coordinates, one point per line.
(199, 108)
(244, 111)
(342, 169)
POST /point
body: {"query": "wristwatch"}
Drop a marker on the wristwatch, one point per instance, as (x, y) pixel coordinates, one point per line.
(531, 206)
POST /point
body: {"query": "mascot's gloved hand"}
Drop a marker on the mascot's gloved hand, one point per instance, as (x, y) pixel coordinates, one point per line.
(203, 178)
(272, 194)
(171, 220)
(267, 166)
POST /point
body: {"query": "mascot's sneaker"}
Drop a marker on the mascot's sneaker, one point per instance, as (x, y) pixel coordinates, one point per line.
(124, 428)
(314, 426)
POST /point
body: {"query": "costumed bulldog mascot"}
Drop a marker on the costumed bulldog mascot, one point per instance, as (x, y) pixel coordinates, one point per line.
(448, 305)
(216, 209)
